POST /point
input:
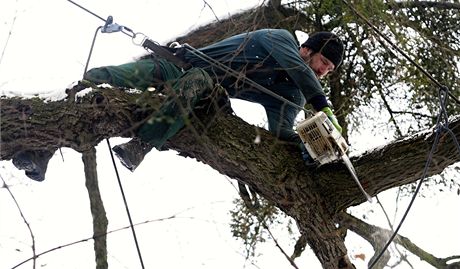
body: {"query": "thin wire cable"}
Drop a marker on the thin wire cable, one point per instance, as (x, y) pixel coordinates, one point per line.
(87, 10)
(398, 49)
(131, 224)
(443, 95)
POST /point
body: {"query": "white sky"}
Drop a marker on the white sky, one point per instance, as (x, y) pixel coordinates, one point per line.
(46, 52)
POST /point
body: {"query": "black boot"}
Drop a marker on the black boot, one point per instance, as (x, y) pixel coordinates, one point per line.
(34, 163)
(132, 153)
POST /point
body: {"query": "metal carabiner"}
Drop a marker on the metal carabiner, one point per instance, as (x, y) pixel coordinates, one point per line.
(127, 31)
(110, 27)
(138, 38)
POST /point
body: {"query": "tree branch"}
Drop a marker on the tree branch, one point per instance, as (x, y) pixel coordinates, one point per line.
(225, 142)
(100, 221)
(29, 228)
(376, 235)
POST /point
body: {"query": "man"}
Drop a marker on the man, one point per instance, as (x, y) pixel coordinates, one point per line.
(270, 57)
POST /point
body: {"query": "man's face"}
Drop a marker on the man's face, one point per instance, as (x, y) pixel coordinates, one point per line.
(317, 62)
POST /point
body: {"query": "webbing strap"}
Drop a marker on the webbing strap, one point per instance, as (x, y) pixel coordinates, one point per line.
(165, 53)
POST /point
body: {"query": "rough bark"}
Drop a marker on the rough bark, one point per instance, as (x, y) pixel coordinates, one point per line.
(226, 143)
(100, 221)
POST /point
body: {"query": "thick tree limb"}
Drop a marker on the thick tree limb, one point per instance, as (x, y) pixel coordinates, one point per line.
(226, 143)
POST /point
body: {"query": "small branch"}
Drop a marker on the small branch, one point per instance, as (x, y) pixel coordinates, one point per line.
(87, 239)
(25, 221)
(100, 221)
(373, 233)
(421, 115)
(9, 35)
(299, 247)
(212, 10)
(390, 111)
(291, 260)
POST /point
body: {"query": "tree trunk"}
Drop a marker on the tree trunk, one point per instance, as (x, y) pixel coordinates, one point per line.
(226, 143)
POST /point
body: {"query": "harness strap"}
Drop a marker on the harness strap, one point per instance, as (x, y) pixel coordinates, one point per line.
(165, 53)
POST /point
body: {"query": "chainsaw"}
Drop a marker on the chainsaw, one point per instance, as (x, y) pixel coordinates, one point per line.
(325, 144)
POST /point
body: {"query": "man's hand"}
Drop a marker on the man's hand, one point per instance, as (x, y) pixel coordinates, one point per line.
(332, 118)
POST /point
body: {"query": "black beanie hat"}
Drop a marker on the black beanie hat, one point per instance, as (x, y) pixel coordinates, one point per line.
(328, 44)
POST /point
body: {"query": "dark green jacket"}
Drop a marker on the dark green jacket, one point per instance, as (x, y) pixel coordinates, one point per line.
(268, 56)
(271, 58)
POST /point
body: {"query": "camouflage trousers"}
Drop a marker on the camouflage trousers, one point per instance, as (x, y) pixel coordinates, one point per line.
(182, 89)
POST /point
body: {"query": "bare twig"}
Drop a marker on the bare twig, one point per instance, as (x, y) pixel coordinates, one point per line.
(212, 10)
(87, 239)
(25, 221)
(291, 261)
(9, 35)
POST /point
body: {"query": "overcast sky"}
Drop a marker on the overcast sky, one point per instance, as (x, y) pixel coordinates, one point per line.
(45, 45)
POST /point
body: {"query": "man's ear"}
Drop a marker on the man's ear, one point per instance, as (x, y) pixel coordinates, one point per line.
(307, 51)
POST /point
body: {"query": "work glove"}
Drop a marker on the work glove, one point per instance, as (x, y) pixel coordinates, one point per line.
(332, 118)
